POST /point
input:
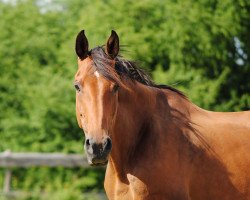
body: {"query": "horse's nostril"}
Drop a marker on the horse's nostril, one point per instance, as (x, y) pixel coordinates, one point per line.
(87, 142)
(108, 144)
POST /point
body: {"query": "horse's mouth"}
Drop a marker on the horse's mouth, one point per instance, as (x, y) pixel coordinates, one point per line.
(99, 164)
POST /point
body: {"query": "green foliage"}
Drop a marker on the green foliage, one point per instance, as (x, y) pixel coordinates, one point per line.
(37, 99)
(194, 43)
(200, 47)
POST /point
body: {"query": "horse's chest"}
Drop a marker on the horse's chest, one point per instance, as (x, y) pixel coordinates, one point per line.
(135, 189)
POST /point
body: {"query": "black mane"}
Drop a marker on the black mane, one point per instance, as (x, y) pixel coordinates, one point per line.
(125, 68)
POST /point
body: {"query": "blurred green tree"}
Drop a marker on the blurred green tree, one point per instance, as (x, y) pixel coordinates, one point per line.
(200, 46)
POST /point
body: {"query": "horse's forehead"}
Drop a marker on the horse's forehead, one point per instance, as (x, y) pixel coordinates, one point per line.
(84, 66)
(86, 63)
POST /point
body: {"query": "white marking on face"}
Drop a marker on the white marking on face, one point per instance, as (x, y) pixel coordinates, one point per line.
(97, 74)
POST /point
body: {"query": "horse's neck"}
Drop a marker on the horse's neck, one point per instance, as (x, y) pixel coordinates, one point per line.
(161, 131)
(145, 121)
(132, 115)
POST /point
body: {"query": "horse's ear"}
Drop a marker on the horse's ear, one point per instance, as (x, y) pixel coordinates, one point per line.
(112, 45)
(82, 45)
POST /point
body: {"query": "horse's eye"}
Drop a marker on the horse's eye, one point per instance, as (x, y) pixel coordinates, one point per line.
(115, 88)
(77, 87)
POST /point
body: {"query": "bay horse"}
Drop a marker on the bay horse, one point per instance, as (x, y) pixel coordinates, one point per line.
(156, 143)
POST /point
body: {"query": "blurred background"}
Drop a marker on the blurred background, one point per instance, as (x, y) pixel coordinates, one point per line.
(200, 47)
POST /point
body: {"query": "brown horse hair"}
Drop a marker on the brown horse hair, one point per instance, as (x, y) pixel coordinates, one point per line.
(123, 68)
(129, 69)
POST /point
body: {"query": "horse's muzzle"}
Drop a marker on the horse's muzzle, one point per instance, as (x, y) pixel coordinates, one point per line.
(97, 153)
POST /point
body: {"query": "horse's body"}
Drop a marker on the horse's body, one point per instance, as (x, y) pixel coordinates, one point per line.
(169, 161)
(163, 146)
